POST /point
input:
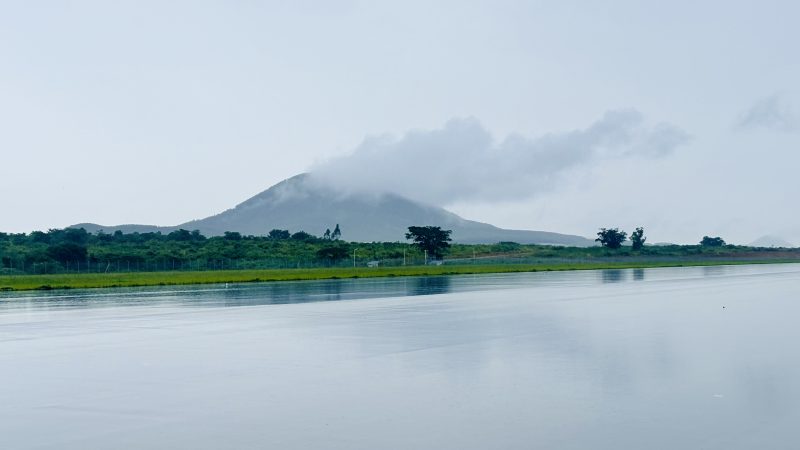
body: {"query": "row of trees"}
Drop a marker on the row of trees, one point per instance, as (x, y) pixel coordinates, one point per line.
(76, 249)
(614, 238)
(80, 236)
(282, 235)
(432, 241)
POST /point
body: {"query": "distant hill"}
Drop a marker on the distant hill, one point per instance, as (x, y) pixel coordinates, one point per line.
(299, 203)
(125, 228)
(771, 241)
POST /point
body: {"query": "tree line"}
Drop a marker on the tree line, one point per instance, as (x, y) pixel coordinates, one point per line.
(71, 249)
(74, 249)
(614, 238)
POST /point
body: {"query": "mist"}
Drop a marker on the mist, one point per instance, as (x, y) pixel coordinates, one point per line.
(463, 161)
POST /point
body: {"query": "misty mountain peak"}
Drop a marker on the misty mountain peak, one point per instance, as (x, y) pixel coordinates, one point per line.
(306, 203)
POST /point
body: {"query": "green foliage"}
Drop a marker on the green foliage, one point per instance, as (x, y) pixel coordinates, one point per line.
(712, 241)
(74, 235)
(506, 246)
(232, 236)
(638, 239)
(611, 237)
(39, 237)
(303, 236)
(58, 251)
(184, 236)
(432, 239)
(337, 233)
(67, 251)
(279, 234)
(333, 253)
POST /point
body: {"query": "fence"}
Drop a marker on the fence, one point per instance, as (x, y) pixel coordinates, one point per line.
(11, 267)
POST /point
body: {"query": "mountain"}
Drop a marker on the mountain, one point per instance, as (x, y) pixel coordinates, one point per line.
(301, 203)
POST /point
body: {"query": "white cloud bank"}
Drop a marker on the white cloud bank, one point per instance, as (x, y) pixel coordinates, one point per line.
(463, 161)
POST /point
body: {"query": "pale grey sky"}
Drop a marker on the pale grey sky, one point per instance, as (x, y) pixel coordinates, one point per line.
(162, 112)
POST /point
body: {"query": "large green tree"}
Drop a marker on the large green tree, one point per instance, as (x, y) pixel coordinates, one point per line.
(712, 241)
(432, 239)
(611, 237)
(638, 238)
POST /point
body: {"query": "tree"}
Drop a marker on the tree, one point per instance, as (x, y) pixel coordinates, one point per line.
(327, 234)
(279, 235)
(712, 241)
(232, 236)
(76, 236)
(303, 236)
(180, 235)
(337, 233)
(67, 251)
(637, 238)
(434, 240)
(39, 236)
(611, 237)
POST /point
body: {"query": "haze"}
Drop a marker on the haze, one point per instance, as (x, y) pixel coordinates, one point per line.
(559, 116)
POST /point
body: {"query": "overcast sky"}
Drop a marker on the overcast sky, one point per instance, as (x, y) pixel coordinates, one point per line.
(682, 117)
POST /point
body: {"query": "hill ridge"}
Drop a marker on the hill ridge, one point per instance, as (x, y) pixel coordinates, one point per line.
(301, 203)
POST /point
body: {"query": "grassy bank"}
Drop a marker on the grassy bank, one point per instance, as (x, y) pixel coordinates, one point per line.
(103, 280)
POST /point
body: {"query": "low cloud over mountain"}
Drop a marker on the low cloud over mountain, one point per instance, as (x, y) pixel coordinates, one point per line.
(463, 161)
(298, 204)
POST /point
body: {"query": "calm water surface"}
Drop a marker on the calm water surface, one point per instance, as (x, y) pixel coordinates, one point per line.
(684, 358)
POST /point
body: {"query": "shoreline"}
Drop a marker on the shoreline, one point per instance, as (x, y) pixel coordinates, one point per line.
(19, 283)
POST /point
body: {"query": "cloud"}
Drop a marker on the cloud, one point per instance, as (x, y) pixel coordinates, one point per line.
(462, 161)
(773, 113)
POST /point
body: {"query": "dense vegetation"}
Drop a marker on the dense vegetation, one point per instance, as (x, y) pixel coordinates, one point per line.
(75, 250)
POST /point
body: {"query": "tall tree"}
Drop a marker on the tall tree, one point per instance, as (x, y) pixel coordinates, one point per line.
(180, 235)
(327, 234)
(337, 233)
(637, 238)
(432, 239)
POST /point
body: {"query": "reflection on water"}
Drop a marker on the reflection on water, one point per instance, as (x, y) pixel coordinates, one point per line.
(252, 294)
(714, 271)
(429, 285)
(590, 359)
(613, 275)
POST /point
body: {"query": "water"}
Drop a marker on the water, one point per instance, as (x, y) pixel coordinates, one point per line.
(701, 358)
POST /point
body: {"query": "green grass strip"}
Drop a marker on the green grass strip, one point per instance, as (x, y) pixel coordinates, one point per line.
(133, 279)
